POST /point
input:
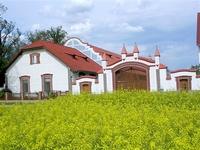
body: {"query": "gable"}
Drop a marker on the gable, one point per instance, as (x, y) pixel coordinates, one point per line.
(69, 56)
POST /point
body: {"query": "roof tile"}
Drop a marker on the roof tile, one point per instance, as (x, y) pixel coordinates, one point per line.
(69, 56)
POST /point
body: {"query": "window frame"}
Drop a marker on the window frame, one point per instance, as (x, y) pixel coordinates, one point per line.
(43, 82)
(21, 83)
(32, 58)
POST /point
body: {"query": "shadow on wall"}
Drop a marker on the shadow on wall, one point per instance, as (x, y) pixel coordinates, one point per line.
(13, 83)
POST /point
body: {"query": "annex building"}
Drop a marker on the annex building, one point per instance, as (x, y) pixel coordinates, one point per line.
(79, 66)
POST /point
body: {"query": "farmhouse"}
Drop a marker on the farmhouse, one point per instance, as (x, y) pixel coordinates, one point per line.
(78, 66)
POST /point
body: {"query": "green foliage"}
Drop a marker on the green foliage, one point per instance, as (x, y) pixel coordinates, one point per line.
(57, 34)
(119, 120)
(1, 94)
(3, 91)
(197, 68)
(6, 90)
(9, 42)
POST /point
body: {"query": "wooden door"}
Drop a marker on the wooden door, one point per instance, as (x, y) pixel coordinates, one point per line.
(85, 88)
(129, 78)
(184, 85)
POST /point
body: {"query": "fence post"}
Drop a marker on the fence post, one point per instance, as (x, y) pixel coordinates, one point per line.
(40, 95)
(6, 96)
(22, 96)
(59, 93)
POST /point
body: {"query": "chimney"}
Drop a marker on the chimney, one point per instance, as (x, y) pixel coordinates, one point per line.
(51, 40)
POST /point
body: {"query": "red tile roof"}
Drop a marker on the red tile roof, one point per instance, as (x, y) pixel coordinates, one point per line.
(146, 59)
(69, 56)
(110, 56)
(183, 70)
(161, 66)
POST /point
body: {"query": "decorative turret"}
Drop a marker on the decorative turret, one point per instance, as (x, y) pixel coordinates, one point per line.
(104, 61)
(157, 56)
(149, 56)
(124, 52)
(135, 52)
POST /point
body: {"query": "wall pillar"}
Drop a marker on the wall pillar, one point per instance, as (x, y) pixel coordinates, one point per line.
(6, 96)
(40, 95)
(22, 96)
(59, 93)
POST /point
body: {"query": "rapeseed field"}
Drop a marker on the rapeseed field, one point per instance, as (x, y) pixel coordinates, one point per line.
(129, 120)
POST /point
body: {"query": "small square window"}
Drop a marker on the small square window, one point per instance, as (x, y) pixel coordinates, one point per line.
(34, 58)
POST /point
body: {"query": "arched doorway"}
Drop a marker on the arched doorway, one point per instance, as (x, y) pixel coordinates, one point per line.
(131, 75)
(130, 78)
(85, 87)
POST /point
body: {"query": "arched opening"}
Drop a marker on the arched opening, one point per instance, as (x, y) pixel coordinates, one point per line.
(131, 75)
(131, 78)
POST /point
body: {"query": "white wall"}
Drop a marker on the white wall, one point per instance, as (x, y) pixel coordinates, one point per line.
(152, 78)
(96, 88)
(109, 80)
(48, 64)
(170, 85)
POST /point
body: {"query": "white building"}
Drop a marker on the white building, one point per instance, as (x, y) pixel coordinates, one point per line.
(77, 66)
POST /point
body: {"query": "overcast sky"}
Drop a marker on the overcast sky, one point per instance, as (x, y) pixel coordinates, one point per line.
(169, 24)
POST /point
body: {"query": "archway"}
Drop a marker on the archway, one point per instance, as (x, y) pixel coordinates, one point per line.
(131, 75)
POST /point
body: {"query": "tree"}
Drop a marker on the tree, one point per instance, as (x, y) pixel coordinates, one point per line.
(8, 41)
(197, 67)
(58, 34)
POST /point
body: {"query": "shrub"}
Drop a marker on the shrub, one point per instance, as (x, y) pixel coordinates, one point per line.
(3, 91)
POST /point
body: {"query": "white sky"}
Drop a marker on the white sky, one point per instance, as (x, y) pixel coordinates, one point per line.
(169, 24)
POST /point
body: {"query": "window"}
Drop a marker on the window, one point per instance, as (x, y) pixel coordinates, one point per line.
(35, 58)
(46, 82)
(25, 84)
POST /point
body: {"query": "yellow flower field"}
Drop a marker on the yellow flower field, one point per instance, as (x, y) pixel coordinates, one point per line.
(129, 120)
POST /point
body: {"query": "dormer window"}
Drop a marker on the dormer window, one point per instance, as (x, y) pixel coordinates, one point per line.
(35, 58)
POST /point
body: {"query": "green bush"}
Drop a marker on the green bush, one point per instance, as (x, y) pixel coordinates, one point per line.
(1, 94)
(7, 90)
(3, 91)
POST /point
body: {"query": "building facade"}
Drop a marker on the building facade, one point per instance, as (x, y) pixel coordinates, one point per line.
(78, 66)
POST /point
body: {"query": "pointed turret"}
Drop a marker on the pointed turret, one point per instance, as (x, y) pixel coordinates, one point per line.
(149, 56)
(157, 56)
(104, 61)
(135, 52)
(124, 52)
(157, 53)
